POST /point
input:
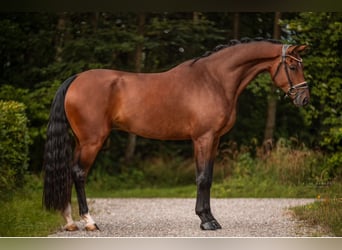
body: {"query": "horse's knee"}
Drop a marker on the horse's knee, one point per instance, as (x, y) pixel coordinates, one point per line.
(204, 181)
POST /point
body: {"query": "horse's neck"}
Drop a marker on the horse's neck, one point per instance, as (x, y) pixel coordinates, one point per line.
(236, 67)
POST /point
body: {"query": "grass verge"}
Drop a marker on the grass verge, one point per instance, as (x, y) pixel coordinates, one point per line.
(236, 187)
(326, 213)
(23, 216)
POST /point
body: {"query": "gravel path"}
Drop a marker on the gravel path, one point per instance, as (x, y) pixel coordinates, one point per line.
(176, 218)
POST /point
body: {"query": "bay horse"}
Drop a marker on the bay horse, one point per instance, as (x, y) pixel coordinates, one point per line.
(195, 100)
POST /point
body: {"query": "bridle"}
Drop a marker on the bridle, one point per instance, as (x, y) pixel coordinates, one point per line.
(293, 87)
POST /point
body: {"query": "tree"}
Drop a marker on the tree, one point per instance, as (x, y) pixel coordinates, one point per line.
(36, 57)
(60, 35)
(322, 32)
(25, 49)
(236, 25)
(131, 144)
(272, 99)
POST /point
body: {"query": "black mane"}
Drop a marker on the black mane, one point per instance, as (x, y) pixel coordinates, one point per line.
(232, 43)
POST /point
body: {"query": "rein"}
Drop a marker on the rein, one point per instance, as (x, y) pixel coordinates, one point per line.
(293, 87)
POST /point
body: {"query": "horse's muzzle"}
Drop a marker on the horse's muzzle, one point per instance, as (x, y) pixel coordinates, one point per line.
(301, 99)
(305, 101)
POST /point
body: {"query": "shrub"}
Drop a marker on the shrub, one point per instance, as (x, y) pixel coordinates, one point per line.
(287, 164)
(334, 166)
(294, 166)
(14, 146)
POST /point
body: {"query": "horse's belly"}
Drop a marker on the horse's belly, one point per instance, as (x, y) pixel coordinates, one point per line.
(156, 130)
(162, 123)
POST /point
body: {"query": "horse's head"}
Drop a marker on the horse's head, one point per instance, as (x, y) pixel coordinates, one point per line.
(288, 74)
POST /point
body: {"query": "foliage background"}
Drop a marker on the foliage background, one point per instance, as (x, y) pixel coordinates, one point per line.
(40, 50)
(14, 145)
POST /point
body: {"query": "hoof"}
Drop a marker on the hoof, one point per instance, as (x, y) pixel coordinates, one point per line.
(71, 227)
(210, 225)
(92, 227)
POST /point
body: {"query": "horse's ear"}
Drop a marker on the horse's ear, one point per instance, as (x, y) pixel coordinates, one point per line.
(297, 49)
(301, 48)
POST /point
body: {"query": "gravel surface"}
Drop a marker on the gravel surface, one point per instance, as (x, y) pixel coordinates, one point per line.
(176, 218)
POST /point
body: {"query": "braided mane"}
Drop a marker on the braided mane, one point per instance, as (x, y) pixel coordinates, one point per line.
(232, 43)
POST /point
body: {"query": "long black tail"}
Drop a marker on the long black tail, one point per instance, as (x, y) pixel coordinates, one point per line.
(58, 154)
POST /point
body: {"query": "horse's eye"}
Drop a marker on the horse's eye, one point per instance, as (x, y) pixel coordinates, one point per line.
(292, 67)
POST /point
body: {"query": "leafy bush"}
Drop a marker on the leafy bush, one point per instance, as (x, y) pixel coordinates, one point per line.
(37, 103)
(14, 142)
(322, 31)
(334, 166)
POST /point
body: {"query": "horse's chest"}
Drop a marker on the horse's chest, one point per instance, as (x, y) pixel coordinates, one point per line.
(229, 121)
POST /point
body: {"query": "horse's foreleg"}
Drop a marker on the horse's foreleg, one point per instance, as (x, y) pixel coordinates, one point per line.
(205, 150)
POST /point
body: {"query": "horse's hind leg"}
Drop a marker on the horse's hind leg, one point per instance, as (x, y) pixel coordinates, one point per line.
(70, 224)
(85, 156)
(67, 213)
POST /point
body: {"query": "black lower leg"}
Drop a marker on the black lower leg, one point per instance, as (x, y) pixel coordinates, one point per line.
(203, 210)
(79, 179)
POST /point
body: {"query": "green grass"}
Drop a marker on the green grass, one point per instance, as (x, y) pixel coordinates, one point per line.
(234, 188)
(24, 216)
(326, 213)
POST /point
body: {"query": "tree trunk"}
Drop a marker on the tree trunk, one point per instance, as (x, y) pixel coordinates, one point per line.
(195, 17)
(132, 138)
(95, 21)
(236, 25)
(60, 36)
(272, 100)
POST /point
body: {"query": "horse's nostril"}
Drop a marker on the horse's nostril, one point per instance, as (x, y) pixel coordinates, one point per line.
(305, 101)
